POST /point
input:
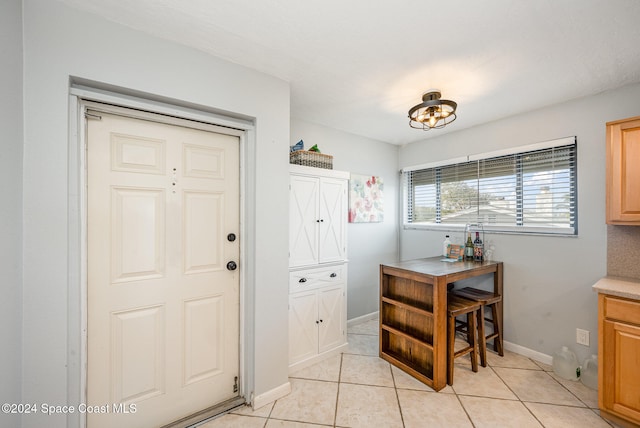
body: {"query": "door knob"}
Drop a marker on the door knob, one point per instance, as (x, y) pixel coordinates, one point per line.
(231, 237)
(232, 266)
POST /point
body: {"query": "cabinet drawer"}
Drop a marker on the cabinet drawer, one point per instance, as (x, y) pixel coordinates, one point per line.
(622, 310)
(309, 279)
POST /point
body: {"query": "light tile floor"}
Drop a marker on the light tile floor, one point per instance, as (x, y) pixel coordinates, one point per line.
(358, 389)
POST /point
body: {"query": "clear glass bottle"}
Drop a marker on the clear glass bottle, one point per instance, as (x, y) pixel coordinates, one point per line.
(445, 246)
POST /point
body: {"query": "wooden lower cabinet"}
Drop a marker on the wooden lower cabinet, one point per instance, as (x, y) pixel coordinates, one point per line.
(619, 349)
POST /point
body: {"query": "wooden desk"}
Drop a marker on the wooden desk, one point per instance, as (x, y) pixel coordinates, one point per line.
(413, 313)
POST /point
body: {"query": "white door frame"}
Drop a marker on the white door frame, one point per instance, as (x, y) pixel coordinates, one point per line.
(81, 97)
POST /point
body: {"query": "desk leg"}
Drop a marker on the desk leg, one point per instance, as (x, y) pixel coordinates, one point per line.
(439, 333)
(498, 288)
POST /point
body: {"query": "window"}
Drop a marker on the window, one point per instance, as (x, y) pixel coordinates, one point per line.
(532, 189)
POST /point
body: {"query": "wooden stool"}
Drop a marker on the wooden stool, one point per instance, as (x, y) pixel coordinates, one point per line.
(484, 298)
(457, 306)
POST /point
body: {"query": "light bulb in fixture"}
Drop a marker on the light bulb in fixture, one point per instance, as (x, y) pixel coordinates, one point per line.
(432, 112)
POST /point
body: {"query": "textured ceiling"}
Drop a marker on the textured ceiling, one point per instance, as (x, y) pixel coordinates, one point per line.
(358, 65)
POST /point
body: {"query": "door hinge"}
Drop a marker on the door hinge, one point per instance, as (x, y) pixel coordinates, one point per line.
(235, 384)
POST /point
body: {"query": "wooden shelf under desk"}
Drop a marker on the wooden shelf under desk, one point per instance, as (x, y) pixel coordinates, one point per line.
(416, 324)
(413, 313)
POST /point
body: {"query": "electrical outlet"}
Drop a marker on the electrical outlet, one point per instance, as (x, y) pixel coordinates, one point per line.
(582, 337)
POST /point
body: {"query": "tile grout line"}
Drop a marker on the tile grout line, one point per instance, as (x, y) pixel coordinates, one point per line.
(571, 392)
(335, 413)
(463, 408)
(517, 396)
(544, 403)
(395, 388)
(582, 403)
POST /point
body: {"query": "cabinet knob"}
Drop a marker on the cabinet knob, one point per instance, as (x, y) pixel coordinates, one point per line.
(320, 320)
(302, 280)
(333, 275)
(317, 322)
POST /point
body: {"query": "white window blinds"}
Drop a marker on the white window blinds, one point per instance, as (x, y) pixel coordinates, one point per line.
(534, 190)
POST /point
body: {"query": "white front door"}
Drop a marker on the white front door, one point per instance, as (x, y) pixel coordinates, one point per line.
(163, 306)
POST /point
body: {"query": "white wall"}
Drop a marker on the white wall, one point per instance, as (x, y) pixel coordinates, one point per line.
(11, 206)
(369, 244)
(60, 42)
(547, 279)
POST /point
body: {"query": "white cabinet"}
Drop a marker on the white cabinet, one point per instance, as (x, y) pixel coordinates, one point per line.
(318, 218)
(318, 214)
(317, 322)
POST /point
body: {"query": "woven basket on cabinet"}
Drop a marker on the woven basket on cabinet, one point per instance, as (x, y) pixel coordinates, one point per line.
(315, 159)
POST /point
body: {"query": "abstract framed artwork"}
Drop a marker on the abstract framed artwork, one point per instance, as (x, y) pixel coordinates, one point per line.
(366, 202)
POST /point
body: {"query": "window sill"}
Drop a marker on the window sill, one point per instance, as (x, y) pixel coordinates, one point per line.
(495, 230)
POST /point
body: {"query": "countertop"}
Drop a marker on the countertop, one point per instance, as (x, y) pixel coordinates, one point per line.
(440, 266)
(618, 286)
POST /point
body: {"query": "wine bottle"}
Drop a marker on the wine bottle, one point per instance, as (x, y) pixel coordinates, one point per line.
(468, 248)
(478, 248)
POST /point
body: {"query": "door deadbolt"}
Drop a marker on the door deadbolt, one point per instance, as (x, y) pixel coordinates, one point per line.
(232, 266)
(231, 237)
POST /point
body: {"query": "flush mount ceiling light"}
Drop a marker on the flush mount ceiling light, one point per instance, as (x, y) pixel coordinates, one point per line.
(432, 112)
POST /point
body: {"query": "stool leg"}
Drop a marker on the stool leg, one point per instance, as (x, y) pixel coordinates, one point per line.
(497, 342)
(451, 334)
(469, 331)
(474, 345)
(482, 337)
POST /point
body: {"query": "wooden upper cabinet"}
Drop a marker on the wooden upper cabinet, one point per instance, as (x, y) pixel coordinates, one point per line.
(623, 172)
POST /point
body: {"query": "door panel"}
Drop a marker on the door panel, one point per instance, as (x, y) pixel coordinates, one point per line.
(303, 219)
(204, 215)
(303, 326)
(163, 311)
(204, 338)
(137, 352)
(332, 227)
(622, 386)
(137, 240)
(331, 332)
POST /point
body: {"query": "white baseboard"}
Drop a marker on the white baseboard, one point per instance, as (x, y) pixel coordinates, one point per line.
(271, 396)
(317, 358)
(363, 318)
(534, 355)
